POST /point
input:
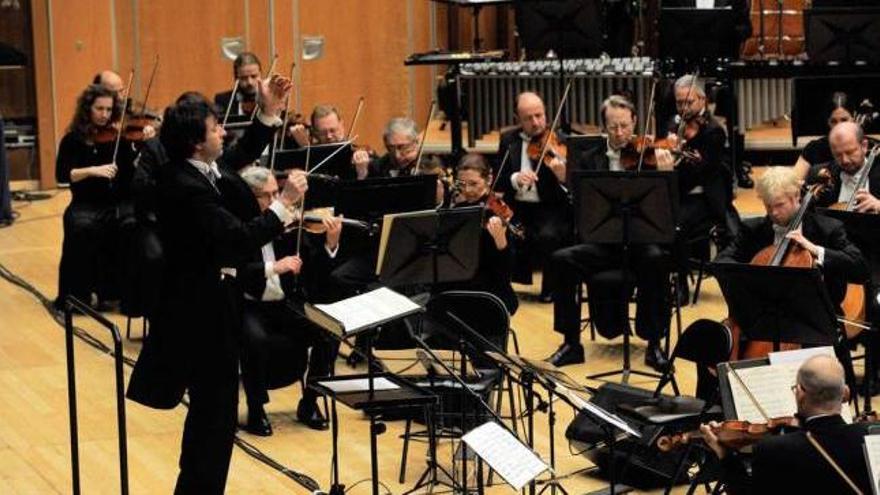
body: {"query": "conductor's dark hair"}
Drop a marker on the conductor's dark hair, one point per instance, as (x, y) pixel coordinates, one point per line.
(184, 125)
(244, 58)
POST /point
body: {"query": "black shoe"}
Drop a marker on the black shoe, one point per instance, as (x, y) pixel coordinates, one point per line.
(545, 297)
(744, 181)
(655, 358)
(307, 413)
(567, 354)
(258, 423)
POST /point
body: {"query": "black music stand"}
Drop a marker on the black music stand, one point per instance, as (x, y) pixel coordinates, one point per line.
(626, 208)
(372, 198)
(337, 165)
(430, 247)
(778, 304)
(697, 37)
(843, 35)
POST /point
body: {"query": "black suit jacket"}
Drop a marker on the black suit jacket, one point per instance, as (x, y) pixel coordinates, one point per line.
(548, 185)
(843, 260)
(789, 463)
(197, 321)
(828, 196)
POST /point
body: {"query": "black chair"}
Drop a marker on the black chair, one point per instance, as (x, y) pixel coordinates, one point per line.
(484, 313)
(705, 343)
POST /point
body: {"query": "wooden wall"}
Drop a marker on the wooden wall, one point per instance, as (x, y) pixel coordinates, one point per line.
(365, 45)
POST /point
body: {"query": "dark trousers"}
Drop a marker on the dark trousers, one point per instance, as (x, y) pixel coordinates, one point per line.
(268, 327)
(609, 304)
(87, 252)
(547, 229)
(210, 423)
(143, 266)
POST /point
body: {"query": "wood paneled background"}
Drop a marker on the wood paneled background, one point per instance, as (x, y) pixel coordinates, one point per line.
(365, 43)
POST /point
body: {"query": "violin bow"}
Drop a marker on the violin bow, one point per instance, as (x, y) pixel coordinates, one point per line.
(231, 101)
(648, 119)
(286, 112)
(150, 85)
(302, 202)
(354, 120)
(424, 137)
(500, 168)
(122, 119)
(553, 126)
(268, 76)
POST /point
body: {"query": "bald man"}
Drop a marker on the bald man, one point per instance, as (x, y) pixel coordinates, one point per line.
(109, 80)
(537, 193)
(791, 462)
(849, 147)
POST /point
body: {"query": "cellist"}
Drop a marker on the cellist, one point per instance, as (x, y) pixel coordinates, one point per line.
(824, 238)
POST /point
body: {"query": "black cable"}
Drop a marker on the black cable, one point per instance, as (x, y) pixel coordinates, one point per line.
(248, 448)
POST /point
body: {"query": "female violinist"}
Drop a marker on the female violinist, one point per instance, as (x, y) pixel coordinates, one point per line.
(98, 184)
(473, 178)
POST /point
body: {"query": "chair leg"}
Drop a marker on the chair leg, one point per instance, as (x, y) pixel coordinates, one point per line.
(700, 271)
(128, 328)
(515, 340)
(402, 476)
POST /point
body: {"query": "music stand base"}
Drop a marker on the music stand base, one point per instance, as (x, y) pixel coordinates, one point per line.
(620, 488)
(625, 374)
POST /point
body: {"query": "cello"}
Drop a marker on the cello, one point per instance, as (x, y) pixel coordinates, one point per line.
(786, 253)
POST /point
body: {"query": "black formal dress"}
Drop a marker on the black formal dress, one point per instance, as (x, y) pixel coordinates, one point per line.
(544, 210)
(789, 463)
(193, 343)
(90, 250)
(609, 308)
(843, 262)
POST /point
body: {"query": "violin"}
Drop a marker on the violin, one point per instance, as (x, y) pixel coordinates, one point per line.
(643, 147)
(733, 434)
(503, 211)
(313, 222)
(553, 144)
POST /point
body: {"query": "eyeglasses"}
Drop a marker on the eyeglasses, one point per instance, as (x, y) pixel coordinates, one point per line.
(620, 127)
(400, 148)
(267, 194)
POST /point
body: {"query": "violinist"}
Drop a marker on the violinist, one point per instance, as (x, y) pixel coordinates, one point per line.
(113, 81)
(579, 262)
(271, 277)
(98, 185)
(246, 69)
(401, 138)
(328, 127)
(823, 237)
(825, 456)
(472, 187)
(849, 149)
(536, 192)
(193, 345)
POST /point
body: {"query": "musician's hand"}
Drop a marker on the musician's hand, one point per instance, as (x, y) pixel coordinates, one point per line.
(273, 94)
(361, 162)
(557, 166)
(294, 188)
(334, 231)
(665, 160)
(498, 231)
(149, 132)
(866, 203)
(673, 140)
(798, 237)
(526, 178)
(106, 171)
(300, 134)
(288, 264)
(712, 440)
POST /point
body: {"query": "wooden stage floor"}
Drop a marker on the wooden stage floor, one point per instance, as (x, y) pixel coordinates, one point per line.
(34, 441)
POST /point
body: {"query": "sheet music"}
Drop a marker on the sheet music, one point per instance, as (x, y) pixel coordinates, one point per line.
(872, 457)
(507, 456)
(771, 387)
(800, 355)
(359, 385)
(370, 308)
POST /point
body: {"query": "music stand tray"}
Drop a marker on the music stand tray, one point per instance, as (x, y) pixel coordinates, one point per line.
(372, 198)
(430, 247)
(778, 303)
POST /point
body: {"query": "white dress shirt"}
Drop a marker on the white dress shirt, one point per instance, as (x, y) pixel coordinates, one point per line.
(526, 194)
(848, 184)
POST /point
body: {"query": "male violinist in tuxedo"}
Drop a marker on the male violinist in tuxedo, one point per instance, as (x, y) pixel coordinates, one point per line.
(849, 147)
(192, 345)
(274, 278)
(608, 308)
(401, 139)
(825, 455)
(536, 192)
(328, 127)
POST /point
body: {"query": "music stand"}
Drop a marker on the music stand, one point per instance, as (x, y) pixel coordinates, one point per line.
(323, 189)
(778, 303)
(372, 198)
(338, 165)
(626, 208)
(430, 247)
(843, 35)
(700, 37)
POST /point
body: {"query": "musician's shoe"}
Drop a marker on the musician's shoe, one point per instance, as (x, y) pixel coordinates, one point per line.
(545, 297)
(742, 177)
(655, 358)
(258, 423)
(307, 413)
(567, 354)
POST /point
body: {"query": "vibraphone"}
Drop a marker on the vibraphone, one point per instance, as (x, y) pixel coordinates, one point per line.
(492, 86)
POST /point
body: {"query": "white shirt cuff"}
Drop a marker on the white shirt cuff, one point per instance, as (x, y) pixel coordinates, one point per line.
(269, 120)
(285, 215)
(269, 269)
(331, 254)
(820, 256)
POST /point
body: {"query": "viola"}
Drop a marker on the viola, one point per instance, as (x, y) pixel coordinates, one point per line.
(733, 434)
(553, 144)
